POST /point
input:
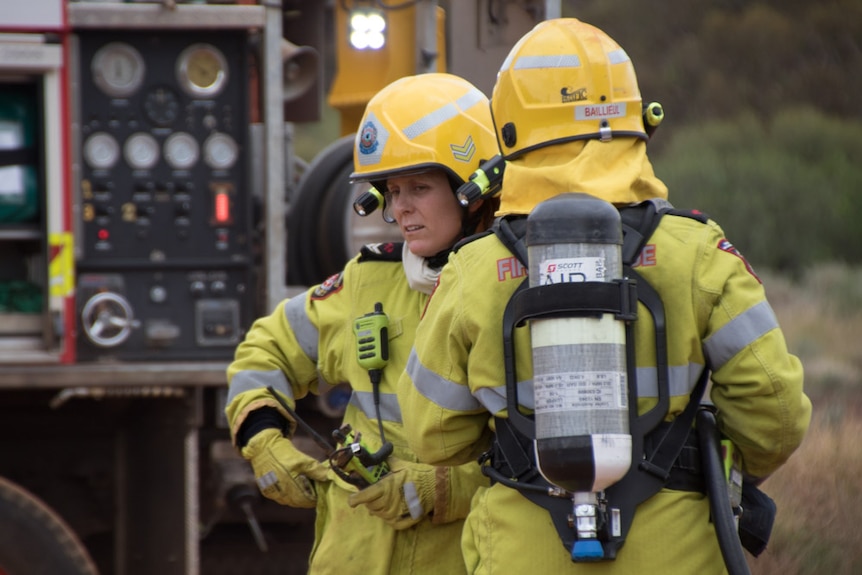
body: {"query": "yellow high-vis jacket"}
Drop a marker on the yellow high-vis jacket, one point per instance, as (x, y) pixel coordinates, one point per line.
(717, 316)
(309, 339)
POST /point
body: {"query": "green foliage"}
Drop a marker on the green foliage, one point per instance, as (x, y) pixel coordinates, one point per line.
(713, 58)
(786, 191)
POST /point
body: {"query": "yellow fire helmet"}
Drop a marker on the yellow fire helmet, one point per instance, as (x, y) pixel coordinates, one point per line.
(565, 80)
(416, 123)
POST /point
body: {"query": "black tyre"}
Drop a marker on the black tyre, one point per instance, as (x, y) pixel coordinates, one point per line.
(34, 540)
(323, 230)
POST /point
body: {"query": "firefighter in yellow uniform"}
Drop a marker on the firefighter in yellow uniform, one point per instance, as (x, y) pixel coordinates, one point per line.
(419, 139)
(568, 116)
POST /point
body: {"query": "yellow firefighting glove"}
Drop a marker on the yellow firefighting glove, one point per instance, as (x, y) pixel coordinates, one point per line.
(403, 496)
(283, 472)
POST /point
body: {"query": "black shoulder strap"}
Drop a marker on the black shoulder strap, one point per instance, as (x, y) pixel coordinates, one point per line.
(512, 232)
(639, 223)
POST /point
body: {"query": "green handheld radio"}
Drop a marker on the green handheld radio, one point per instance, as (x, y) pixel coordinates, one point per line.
(372, 339)
(354, 462)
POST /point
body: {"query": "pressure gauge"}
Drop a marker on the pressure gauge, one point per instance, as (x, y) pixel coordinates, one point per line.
(141, 151)
(181, 150)
(202, 71)
(161, 106)
(101, 151)
(118, 69)
(220, 151)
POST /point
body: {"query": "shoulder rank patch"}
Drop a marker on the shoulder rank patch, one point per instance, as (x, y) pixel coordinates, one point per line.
(693, 214)
(385, 252)
(725, 246)
(331, 285)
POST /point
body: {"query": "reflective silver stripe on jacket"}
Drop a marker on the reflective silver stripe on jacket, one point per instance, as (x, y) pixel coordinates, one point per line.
(389, 409)
(243, 381)
(305, 332)
(494, 398)
(681, 379)
(440, 391)
(744, 329)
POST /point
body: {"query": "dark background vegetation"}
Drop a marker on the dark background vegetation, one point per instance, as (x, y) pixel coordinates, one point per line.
(763, 126)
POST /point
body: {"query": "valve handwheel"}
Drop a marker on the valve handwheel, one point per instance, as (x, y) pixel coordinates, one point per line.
(108, 319)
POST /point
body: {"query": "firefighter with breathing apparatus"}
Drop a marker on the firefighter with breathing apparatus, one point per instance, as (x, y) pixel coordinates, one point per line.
(418, 141)
(582, 329)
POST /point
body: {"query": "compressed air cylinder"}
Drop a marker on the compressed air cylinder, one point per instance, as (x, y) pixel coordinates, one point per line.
(579, 362)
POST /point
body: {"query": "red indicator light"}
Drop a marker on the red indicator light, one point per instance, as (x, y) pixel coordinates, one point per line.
(222, 208)
(103, 235)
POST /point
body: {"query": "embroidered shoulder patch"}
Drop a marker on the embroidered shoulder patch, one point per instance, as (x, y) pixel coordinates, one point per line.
(725, 246)
(387, 252)
(331, 285)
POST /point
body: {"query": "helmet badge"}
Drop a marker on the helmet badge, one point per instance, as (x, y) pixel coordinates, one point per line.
(368, 139)
(371, 141)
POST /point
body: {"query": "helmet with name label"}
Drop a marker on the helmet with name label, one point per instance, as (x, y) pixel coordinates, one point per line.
(565, 80)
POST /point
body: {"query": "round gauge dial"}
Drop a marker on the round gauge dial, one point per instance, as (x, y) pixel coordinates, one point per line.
(118, 69)
(181, 151)
(202, 71)
(161, 106)
(101, 151)
(141, 151)
(220, 151)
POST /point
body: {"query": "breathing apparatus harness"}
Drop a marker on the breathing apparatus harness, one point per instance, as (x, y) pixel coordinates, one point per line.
(664, 454)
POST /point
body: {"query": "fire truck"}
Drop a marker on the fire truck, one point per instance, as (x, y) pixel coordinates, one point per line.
(152, 205)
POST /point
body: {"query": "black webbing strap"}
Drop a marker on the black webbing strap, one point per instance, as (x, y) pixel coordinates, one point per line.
(618, 297)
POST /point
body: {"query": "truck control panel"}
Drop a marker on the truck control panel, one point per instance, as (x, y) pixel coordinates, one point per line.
(165, 248)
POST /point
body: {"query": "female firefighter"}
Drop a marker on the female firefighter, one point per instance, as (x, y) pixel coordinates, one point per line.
(419, 139)
(568, 117)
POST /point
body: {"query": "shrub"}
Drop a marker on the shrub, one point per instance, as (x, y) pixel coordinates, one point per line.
(788, 192)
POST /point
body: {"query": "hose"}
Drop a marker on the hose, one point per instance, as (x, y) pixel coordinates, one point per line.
(719, 499)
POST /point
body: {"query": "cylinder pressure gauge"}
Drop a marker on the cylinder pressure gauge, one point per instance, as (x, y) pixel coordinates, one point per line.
(118, 69)
(202, 71)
